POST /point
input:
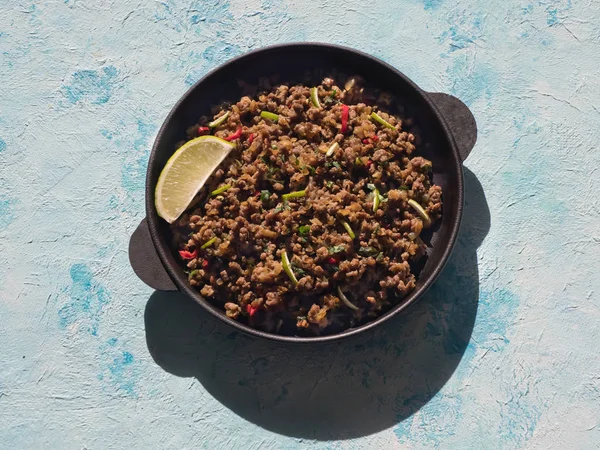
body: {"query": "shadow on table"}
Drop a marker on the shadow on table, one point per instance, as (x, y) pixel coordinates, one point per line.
(339, 390)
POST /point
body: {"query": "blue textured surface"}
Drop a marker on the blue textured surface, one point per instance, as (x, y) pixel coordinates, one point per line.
(502, 353)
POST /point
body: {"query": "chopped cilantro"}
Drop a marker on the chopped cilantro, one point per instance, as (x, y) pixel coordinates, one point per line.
(367, 251)
(298, 271)
(303, 229)
(336, 249)
(264, 196)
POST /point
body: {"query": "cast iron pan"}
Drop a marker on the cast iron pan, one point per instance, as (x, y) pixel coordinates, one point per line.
(446, 125)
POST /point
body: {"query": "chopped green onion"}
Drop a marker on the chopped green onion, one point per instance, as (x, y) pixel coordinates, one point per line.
(376, 199)
(346, 225)
(219, 121)
(377, 118)
(220, 190)
(420, 211)
(209, 243)
(337, 164)
(314, 97)
(329, 184)
(347, 302)
(332, 149)
(303, 229)
(269, 115)
(192, 274)
(379, 257)
(287, 267)
(296, 194)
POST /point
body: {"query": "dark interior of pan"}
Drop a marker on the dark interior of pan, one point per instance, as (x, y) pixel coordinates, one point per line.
(290, 63)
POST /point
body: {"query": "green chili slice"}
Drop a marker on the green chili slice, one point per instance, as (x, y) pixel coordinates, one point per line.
(380, 120)
(209, 243)
(219, 120)
(220, 190)
(346, 225)
(332, 149)
(376, 199)
(419, 209)
(314, 97)
(269, 116)
(287, 267)
(296, 194)
(347, 302)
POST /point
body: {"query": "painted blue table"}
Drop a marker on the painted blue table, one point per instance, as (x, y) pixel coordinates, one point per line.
(502, 353)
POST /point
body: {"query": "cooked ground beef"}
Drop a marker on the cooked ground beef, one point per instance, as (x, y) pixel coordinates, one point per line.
(344, 215)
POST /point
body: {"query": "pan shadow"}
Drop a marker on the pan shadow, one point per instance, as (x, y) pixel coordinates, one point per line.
(331, 391)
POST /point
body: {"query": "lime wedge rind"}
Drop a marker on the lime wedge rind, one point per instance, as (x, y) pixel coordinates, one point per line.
(186, 172)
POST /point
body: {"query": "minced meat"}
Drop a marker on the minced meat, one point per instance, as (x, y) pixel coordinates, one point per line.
(347, 226)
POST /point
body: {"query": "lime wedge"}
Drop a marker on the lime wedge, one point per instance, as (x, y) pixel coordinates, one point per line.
(186, 172)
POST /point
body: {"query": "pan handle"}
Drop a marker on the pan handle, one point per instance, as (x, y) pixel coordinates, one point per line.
(145, 261)
(459, 119)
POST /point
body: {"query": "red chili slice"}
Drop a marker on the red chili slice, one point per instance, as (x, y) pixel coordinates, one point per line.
(203, 130)
(369, 163)
(205, 263)
(332, 260)
(251, 138)
(236, 135)
(375, 138)
(345, 111)
(365, 141)
(251, 309)
(188, 255)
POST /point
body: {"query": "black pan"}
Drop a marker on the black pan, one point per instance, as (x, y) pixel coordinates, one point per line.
(447, 129)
